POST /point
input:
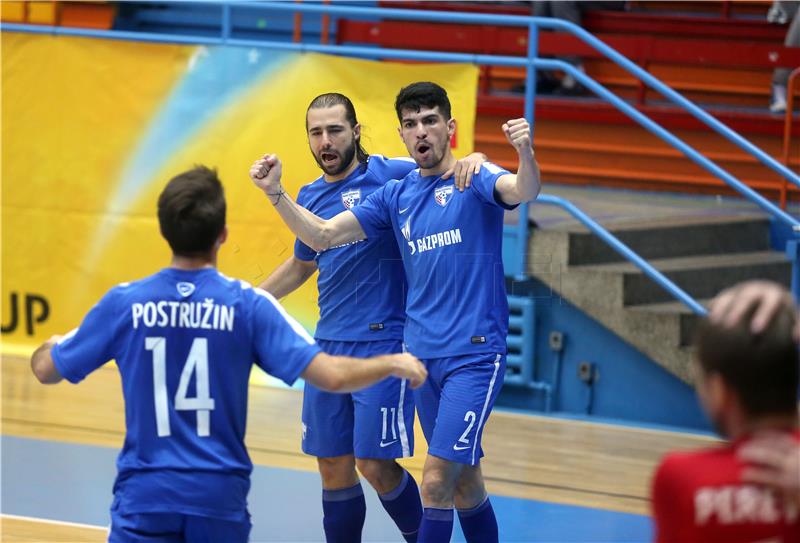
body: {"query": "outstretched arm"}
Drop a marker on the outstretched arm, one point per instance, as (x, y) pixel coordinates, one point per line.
(288, 276)
(345, 374)
(526, 184)
(317, 233)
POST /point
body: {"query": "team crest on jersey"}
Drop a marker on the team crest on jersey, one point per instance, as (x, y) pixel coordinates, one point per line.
(185, 289)
(442, 195)
(351, 198)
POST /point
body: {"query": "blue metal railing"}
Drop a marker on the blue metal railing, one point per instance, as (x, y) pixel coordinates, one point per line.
(531, 63)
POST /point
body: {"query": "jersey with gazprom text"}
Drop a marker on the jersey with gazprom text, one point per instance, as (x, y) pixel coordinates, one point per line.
(451, 243)
(361, 285)
(185, 342)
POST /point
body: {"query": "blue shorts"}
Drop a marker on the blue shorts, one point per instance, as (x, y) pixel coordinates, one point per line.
(377, 422)
(175, 528)
(455, 401)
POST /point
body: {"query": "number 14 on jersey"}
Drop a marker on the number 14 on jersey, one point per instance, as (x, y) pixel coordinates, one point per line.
(196, 363)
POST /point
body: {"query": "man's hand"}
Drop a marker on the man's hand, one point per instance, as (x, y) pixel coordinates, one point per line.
(42, 364)
(464, 169)
(730, 306)
(266, 174)
(518, 132)
(407, 366)
(773, 461)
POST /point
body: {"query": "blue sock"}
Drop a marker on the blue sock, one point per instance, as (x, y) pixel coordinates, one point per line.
(436, 525)
(343, 514)
(405, 507)
(479, 523)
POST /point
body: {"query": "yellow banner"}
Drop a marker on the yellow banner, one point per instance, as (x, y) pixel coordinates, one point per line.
(93, 129)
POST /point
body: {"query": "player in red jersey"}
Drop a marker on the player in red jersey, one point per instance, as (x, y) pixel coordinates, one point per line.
(748, 383)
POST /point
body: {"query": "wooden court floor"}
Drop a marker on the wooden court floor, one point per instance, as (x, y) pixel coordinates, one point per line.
(533, 457)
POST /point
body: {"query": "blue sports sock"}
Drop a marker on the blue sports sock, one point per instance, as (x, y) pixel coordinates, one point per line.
(436, 525)
(479, 523)
(343, 514)
(405, 507)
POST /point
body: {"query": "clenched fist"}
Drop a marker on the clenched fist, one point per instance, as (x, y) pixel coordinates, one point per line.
(266, 173)
(518, 132)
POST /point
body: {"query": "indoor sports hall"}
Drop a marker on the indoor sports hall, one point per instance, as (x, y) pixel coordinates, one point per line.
(670, 172)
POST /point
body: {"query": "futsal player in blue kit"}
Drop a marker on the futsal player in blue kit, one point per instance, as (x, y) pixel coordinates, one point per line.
(185, 340)
(362, 292)
(457, 310)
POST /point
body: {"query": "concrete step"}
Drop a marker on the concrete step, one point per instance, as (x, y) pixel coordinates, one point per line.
(657, 334)
(699, 276)
(629, 303)
(675, 237)
(687, 319)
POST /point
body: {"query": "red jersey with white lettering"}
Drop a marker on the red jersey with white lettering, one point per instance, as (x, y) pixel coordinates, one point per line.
(698, 497)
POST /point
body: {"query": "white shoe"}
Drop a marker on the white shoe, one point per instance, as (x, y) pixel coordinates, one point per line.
(778, 103)
(778, 106)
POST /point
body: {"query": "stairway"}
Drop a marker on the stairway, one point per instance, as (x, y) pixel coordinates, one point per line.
(702, 255)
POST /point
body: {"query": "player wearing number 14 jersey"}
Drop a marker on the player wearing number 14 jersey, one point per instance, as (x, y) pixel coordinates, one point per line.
(185, 340)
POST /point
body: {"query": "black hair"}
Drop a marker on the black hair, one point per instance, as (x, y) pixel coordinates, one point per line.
(191, 211)
(422, 94)
(762, 368)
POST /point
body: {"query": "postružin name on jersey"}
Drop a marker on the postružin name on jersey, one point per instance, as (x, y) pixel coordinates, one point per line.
(204, 315)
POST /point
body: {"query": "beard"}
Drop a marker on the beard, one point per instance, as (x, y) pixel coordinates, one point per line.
(433, 157)
(344, 159)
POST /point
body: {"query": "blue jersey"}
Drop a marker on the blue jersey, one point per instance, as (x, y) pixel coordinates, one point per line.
(451, 244)
(185, 342)
(361, 285)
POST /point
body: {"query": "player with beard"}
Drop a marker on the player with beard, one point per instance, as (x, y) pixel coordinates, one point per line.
(457, 309)
(747, 382)
(362, 292)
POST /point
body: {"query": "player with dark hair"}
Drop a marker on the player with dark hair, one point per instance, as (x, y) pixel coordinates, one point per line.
(185, 340)
(773, 459)
(748, 384)
(457, 309)
(362, 292)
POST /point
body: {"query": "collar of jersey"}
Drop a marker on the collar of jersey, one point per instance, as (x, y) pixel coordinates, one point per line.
(175, 272)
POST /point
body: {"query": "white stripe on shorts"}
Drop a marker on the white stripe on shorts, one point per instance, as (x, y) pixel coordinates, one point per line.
(401, 421)
(485, 406)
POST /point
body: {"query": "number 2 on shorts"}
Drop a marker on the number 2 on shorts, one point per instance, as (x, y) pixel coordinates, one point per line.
(470, 418)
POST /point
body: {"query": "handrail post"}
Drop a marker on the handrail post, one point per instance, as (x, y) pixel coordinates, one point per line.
(226, 22)
(530, 93)
(787, 129)
(326, 25)
(297, 35)
(793, 254)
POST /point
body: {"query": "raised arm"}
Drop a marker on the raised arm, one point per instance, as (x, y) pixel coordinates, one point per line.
(526, 184)
(767, 297)
(42, 363)
(345, 374)
(317, 233)
(288, 276)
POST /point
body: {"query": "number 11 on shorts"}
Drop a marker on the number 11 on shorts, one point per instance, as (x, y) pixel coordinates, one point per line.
(388, 424)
